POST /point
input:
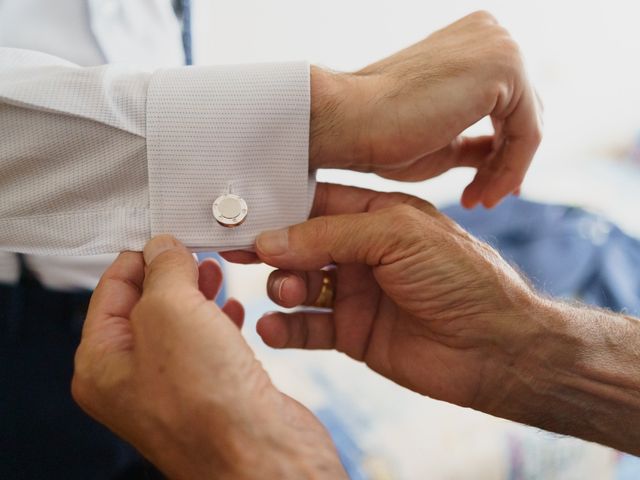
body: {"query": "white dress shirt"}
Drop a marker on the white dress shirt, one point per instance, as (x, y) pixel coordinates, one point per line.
(99, 159)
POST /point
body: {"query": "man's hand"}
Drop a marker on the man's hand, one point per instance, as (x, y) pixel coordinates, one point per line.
(416, 295)
(163, 367)
(425, 304)
(402, 117)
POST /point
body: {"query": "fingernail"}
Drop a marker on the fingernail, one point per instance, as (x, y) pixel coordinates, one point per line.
(279, 287)
(273, 242)
(158, 245)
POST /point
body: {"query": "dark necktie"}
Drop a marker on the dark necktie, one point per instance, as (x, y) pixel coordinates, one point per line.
(183, 12)
(186, 31)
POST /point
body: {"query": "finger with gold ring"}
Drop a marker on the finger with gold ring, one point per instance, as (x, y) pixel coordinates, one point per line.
(326, 297)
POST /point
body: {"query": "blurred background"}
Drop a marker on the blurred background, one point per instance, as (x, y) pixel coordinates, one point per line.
(584, 58)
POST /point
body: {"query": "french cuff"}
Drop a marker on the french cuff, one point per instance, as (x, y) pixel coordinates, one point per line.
(241, 129)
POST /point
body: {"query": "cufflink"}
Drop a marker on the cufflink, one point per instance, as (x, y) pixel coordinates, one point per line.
(230, 210)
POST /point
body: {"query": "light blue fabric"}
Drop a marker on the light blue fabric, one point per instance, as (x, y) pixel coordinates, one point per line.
(186, 31)
(565, 251)
(628, 468)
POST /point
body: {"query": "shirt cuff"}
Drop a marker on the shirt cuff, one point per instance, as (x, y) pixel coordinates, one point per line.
(241, 129)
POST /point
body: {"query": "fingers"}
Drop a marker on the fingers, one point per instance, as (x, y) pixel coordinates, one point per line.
(513, 160)
(364, 238)
(325, 240)
(210, 278)
(308, 330)
(521, 135)
(235, 311)
(240, 256)
(472, 194)
(291, 289)
(118, 291)
(471, 151)
(169, 265)
(332, 199)
(462, 152)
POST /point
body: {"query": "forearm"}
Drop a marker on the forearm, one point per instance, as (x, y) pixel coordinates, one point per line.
(578, 374)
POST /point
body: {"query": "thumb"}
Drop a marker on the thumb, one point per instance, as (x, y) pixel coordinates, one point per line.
(168, 265)
(356, 238)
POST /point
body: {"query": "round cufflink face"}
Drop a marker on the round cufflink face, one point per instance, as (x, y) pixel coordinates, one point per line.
(230, 210)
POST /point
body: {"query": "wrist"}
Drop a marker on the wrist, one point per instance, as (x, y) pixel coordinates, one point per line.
(513, 335)
(287, 443)
(261, 439)
(338, 121)
(529, 346)
(577, 373)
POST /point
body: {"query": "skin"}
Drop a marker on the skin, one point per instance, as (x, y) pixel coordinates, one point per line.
(403, 117)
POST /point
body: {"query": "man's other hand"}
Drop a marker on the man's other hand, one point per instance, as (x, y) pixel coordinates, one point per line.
(167, 370)
(403, 117)
(430, 307)
(417, 298)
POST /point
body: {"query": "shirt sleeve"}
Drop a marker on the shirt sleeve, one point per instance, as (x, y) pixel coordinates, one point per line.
(97, 160)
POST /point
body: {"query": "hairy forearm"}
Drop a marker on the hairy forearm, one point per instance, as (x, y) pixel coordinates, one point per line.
(578, 374)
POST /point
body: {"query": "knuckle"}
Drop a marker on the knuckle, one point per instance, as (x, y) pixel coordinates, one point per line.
(172, 258)
(425, 206)
(405, 231)
(510, 47)
(537, 135)
(89, 383)
(406, 219)
(410, 200)
(81, 383)
(79, 391)
(161, 307)
(484, 16)
(405, 213)
(507, 52)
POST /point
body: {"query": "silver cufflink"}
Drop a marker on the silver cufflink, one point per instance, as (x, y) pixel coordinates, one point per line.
(230, 210)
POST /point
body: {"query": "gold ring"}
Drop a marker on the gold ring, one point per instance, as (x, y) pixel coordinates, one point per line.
(327, 291)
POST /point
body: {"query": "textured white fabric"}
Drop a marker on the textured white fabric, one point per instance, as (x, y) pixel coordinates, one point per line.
(244, 129)
(87, 32)
(9, 268)
(68, 273)
(78, 145)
